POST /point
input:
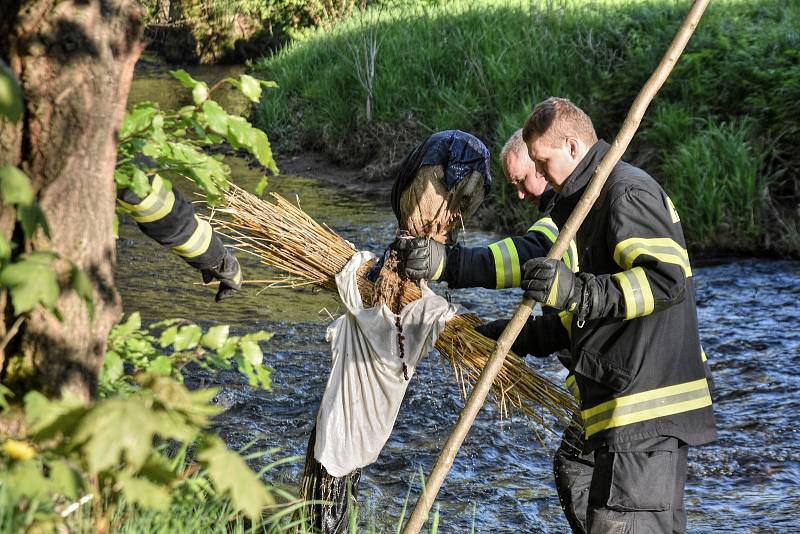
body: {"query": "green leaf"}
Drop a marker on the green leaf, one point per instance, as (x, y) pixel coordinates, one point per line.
(262, 185)
(114, 430)
(187, 338)
(11, 105)
(5, 393)
(140, 184)
(261, 335)
(31, 281)
(200, 93)
(230, 473)
(145, 493)
(157, 469)
(168, 336)
(215, 117)
(130, 326)
(46, 418)
(83, 287)
(215, 337)
(31, 217)
(160, 366)
(25, 479)
(138, 120)
(5, 248)
(252, 352)
(228, 349)
(183, 77)
(113, 368)
(15, 186)
(64, 479)
(250, 88)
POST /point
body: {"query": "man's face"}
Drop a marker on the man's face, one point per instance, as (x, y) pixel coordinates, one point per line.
(522, 174)
(557, 162)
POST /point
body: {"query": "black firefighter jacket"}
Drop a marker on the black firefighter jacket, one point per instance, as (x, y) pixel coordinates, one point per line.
(636, 355)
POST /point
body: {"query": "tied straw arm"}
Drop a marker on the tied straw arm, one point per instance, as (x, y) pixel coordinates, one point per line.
(495, 363)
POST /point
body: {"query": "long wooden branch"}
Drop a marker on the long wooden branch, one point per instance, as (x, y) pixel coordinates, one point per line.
(618, 147)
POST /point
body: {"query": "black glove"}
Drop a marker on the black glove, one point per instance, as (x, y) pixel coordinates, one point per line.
(522, 345)
(551, 283)
(229, 275)
(421, 258)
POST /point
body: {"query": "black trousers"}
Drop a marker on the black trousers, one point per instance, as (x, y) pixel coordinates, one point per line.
(627, 488)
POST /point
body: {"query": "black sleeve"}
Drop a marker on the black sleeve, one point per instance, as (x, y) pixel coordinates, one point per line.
(165, 216)
(499, 265)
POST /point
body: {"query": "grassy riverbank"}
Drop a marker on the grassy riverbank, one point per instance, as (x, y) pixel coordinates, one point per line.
(721, 134)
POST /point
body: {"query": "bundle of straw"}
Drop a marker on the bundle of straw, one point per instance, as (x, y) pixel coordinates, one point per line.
(286, 238)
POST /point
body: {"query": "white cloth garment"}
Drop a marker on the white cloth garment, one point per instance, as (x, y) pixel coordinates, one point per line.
(366, 384)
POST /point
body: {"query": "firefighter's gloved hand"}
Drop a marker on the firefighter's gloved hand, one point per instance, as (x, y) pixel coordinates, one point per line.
(421, 258)
(229, 274)
(524, 340)
(551, 283)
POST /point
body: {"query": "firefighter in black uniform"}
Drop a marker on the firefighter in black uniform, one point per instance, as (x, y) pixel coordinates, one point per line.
(165, 216)
(499, 266)
(640, 371)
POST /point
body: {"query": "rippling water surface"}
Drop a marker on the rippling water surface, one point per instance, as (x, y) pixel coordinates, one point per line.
(748, 481)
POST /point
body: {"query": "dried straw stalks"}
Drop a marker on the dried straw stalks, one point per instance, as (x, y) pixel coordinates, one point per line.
(285, 238)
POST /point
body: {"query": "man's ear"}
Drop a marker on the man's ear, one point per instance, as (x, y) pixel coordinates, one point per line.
(574, 148)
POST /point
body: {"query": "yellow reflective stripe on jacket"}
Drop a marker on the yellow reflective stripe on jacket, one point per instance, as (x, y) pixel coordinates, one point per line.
(198, 242)
(506, 263)
(703, 354)
(572, 386)
(636, 292)
(662, 248)
(566, 321)
(647, 405)
(154, 206)
(673, 213)
(546, 226)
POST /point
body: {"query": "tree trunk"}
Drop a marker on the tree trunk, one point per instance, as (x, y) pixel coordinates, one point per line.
(74, 59)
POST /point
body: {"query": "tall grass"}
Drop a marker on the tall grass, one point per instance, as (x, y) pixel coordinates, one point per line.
(481, 67)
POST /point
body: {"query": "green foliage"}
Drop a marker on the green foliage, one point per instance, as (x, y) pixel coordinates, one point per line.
(716, 190)
(481, 67)
(176, 143)
(116, 449)
(133, 350)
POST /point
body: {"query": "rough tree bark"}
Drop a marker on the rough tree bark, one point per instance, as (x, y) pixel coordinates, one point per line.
(74, 59)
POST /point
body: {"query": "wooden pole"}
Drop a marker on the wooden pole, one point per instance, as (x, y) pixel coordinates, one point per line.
(618, 147)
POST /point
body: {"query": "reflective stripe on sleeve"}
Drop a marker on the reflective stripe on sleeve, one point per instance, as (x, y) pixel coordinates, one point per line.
(506, 263)
(154, 206)
(198, 242)
(661, 248)
(572, 386)
(546, 226)
(703, 354)
(673, 213)
(647, 405)
(636, 292)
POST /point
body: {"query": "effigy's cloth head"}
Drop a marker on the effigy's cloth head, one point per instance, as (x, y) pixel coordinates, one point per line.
(440, 184)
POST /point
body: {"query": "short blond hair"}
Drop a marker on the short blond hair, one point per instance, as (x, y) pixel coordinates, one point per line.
(558, 118)
(515, 145)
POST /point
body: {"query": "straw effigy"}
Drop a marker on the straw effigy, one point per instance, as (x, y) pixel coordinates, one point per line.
(287, 239)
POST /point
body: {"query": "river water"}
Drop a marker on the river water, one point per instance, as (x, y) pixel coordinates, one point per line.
(501, 482)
